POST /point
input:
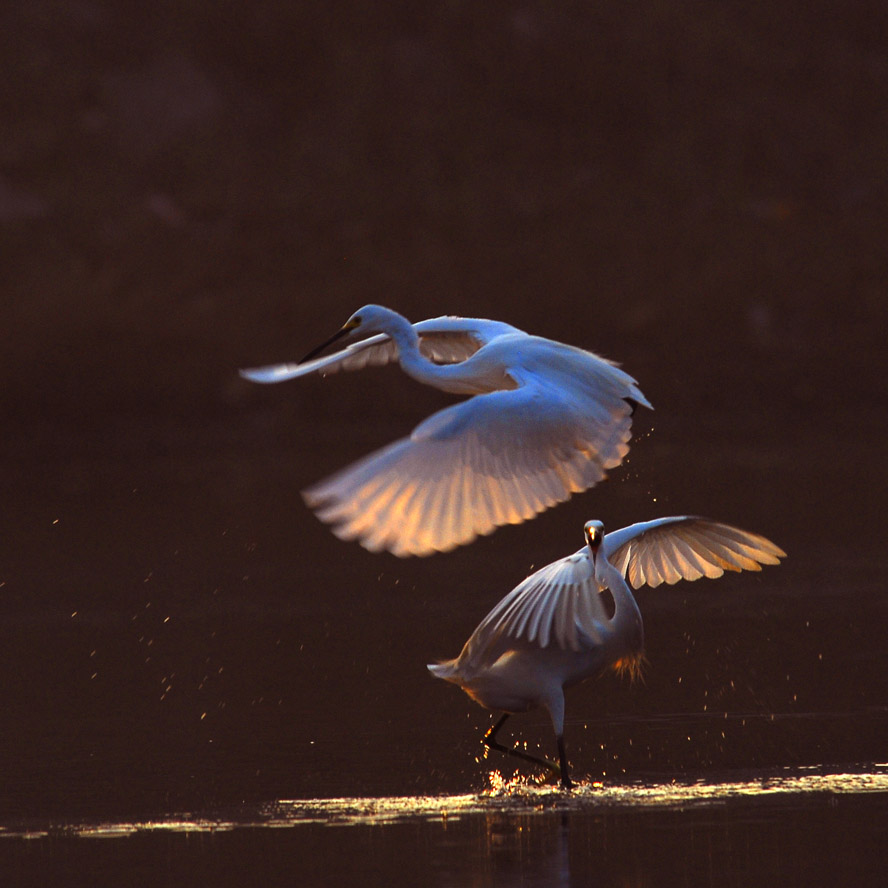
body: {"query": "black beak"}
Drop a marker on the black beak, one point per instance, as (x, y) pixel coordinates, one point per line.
(316, 351)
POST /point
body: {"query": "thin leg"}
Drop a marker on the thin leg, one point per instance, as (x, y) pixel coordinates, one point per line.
(562, 757)
(490, 741)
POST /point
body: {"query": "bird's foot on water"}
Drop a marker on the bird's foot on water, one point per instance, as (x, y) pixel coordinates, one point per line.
(555, 781)
(553, 778)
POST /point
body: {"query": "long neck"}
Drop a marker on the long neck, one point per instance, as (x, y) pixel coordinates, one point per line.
(461, 378)
(626, 622)
(406, 339)
(401, 331)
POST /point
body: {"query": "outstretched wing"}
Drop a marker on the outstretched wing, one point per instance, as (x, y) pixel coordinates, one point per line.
(685, 548)
(446, 340)
(497, 458)
(560, 603)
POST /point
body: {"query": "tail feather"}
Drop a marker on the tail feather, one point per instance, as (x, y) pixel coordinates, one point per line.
(445, 669)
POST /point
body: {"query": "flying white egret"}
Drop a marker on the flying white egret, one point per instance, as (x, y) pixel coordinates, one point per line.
(547, 420)
(553, 630)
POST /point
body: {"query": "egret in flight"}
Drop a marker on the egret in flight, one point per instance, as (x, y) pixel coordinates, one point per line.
(553, 630)
(547, 420)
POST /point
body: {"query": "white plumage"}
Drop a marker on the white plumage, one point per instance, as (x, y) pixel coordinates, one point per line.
(553, 630)
(547, 420)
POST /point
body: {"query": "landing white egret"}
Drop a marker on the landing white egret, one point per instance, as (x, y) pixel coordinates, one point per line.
(553, 630)
(547, 420)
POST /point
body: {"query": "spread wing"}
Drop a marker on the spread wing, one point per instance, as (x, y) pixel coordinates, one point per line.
(447, 340)
(497, 458)
(685, 548)
(559, 604)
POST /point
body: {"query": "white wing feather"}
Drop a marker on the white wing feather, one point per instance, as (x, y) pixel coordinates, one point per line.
(685, 548)
(375, 351)
(559, 604)
(461, 475)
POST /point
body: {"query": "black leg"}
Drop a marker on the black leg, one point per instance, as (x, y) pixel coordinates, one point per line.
(562, 757)
(490, 741)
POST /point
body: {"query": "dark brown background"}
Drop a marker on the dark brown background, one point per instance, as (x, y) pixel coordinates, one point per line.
(697, 190)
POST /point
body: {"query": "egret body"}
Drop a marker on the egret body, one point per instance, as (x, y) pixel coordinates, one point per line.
(545, 421)
(553, 630)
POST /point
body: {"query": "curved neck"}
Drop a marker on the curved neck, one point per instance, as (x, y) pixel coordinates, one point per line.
(406, 339)
(626, 622)
(401, 332)
(456, 378)
(463, 377)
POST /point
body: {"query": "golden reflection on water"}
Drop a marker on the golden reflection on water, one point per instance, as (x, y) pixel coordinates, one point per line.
(515, 796)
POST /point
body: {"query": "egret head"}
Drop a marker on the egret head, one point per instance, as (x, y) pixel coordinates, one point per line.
(369, 319)
(594, 531)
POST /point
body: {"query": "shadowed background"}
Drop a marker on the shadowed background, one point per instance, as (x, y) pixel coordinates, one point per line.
(695, 190)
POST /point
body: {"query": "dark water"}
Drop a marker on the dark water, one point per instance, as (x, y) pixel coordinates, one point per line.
(697, 192)
(810, 828)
